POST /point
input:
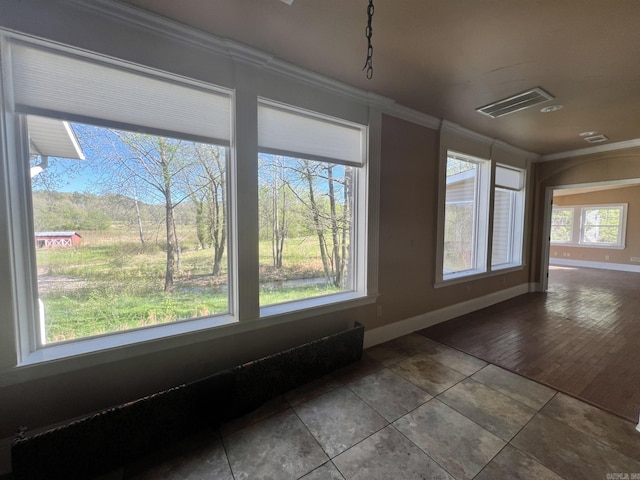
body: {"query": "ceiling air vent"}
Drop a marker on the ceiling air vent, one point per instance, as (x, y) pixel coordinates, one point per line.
(518, 102)
(597, 138)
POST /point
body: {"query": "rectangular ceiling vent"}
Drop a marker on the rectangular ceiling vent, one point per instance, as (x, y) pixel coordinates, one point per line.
(518, 102)
(597, 138)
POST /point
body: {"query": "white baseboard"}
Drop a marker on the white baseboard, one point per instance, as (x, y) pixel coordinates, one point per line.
(621, 267)
(409, 325)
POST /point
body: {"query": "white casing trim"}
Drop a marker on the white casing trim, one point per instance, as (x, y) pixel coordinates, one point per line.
(409, 325)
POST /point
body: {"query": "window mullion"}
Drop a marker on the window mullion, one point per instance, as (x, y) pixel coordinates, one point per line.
(489, 226)
(245, 237)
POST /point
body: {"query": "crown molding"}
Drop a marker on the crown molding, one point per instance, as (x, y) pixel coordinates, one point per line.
(170, 28)
(465, 132)
(610, 147)
(518, 151)
(413, 116)
(239, 52)
(452, 127)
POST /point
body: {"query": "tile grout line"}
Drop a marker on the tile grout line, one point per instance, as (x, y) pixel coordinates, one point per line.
(525, 426)
(422, 450)
(330, 459)
(432, 398)
(515, 435)
(595, 439)
(509, 396)
(226, 454)
(405, 379)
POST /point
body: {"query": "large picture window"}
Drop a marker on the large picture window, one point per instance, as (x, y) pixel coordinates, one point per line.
(310, 171)
(125, 198)
(126, 176)
(131, 234)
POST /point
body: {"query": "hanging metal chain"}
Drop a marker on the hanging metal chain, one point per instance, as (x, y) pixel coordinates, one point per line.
(368, 65)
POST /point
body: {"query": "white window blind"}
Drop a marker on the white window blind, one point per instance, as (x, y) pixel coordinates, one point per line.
(295, 133)
(55, 84)
(503, 225)
(508, 217)
(509, 178)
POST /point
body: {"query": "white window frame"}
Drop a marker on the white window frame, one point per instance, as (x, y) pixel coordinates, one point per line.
(516, 221)
(18, 325)
(622, 226)
(459, 142)
(481, 216)
(579, 224)
(572, 225)
(358, 245)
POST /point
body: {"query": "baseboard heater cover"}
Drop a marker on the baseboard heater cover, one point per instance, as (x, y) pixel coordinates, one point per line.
(114, 437)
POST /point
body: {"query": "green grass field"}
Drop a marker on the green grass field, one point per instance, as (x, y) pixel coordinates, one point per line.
(112, 282)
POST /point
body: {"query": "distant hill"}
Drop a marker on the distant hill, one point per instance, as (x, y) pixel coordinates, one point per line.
(86, 211)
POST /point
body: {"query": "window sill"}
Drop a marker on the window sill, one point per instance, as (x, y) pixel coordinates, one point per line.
(458, 277)
(67, 357)
(470, 277)
(326, 303)
(588, 245)
(125, 339)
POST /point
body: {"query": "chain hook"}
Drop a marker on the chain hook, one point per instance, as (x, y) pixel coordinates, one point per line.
(368, 32)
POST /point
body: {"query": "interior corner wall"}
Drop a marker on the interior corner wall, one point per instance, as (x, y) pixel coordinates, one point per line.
(408, 230)
(590, 169)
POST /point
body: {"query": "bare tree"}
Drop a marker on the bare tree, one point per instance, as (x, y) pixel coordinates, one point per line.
(275, 203)
(327, 197)
(149, 166)
(206, 184)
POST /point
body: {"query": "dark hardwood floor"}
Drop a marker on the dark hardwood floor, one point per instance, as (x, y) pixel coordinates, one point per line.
(582, 337)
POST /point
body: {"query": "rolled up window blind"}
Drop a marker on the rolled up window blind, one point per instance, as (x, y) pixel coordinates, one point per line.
(77, 88)
(295, 133)
(509, 178)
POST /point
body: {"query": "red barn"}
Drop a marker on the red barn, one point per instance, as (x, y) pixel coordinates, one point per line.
(57, 239)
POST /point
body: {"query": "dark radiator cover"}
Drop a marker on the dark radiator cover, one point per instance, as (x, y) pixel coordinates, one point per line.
(106, 440)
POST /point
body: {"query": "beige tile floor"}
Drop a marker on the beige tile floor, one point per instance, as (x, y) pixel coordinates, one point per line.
(410, 409)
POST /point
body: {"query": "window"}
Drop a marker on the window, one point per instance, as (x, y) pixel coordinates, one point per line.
(122, 212)
(562, 225)
(589, 226)
(128, 195)
(508, 217)
(310, 170)
(130, 235)
(468, 211)
(603, 225)
(466, 199)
